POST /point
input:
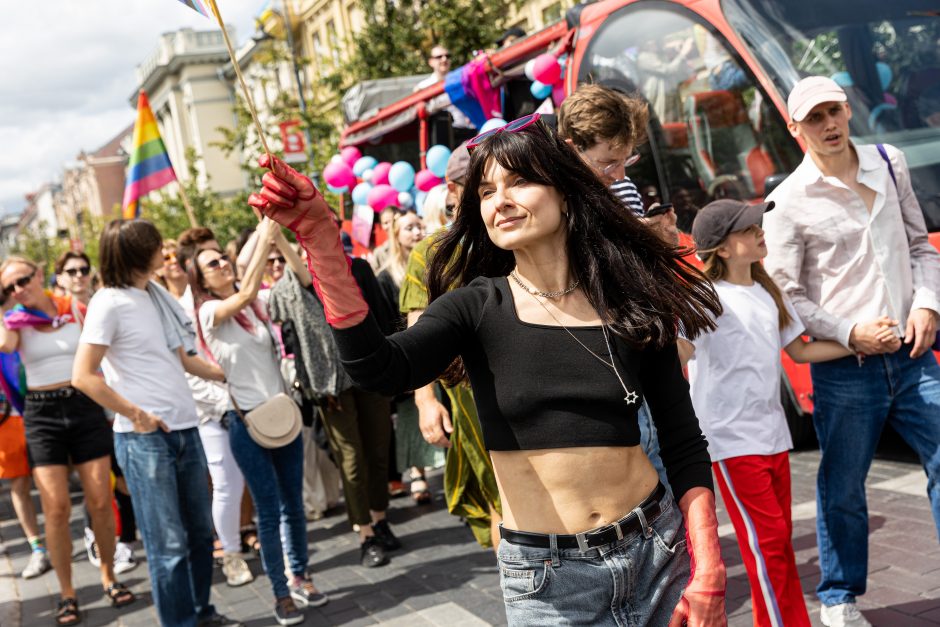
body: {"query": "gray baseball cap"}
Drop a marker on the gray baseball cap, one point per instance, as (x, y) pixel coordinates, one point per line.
(718, 219)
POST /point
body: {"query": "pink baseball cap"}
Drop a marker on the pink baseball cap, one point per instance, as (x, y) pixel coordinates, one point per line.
(812, 91)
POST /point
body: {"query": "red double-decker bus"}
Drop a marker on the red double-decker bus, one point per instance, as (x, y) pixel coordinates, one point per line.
(716, 74)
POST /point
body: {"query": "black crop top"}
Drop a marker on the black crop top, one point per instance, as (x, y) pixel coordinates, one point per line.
(534, 386)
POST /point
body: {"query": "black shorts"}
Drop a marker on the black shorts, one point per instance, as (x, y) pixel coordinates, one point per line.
(65, 426)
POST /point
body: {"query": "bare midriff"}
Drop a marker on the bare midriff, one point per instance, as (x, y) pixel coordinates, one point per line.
(53, 386)
(570, 490)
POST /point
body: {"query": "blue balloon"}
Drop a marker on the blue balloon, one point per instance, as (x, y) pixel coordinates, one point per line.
(419, 202)
(437, 160)
(401, 176)
(406, 200)
(492, 123)
(362, 164)
(540, 91)
(360, 193)
(337, 190)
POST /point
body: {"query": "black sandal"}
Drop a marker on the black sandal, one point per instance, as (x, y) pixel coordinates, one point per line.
(250, 541)
(118, 594)
(67, 612)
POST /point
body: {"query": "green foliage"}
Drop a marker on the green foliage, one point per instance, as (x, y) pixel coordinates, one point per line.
(226, 217)
(35, 246)
(397, 36)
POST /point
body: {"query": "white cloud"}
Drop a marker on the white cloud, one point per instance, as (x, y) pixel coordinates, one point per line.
(68, 70)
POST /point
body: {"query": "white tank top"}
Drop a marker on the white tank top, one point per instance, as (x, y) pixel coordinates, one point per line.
(47, 357)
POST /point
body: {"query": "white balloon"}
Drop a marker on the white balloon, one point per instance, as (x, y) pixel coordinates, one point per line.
(492, 123)
(406, 200)
(529, 69)
(336, 159)
(367, 175)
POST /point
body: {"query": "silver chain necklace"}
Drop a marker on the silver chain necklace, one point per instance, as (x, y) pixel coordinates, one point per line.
(552, 295)
(631, 396)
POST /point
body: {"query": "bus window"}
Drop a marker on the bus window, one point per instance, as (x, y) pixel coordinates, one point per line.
(885, 55)
(712, 132)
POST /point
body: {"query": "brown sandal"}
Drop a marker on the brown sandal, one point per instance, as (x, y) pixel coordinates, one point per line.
(67, 612)
(118, 594)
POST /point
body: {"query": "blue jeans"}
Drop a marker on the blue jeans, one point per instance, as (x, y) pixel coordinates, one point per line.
(853, 404)
(275, 479)
(166, 475)
(649, 441)
(635, 581)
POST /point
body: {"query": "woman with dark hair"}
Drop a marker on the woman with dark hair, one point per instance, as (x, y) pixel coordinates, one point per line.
(565, 314)
(140, 337)
(73, 274)
(234, 326)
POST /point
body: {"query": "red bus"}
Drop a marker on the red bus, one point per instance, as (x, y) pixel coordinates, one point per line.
(716, 74)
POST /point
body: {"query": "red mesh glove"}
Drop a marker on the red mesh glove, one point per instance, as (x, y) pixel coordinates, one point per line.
(290, 199)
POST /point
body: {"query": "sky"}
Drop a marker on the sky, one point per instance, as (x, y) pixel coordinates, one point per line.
(67, 71)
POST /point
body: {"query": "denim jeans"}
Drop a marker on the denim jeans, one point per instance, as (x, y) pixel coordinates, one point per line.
(649, 441)
(166, 475)
(275, 478)
(853, 403)
(635, 581)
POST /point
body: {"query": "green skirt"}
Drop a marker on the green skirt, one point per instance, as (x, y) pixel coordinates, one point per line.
(411, 449)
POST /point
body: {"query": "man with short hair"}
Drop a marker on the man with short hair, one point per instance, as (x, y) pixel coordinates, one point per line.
(439, 60)
(848, 244)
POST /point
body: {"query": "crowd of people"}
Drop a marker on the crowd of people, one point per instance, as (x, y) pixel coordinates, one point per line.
(538, 327)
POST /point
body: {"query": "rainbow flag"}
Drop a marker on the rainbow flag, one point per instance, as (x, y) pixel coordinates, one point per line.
(149, 168)
(197, 6)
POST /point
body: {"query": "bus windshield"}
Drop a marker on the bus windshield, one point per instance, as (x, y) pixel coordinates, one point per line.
(885, 54)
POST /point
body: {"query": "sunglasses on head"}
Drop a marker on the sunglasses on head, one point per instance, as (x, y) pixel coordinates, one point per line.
(73, 272)
(658, 209)
(216, 263)
(21, 282)
(513, 127)
(281, 260)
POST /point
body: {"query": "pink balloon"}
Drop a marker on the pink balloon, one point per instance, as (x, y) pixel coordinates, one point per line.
(339, 175)
(425, 180)
(546, 69)
(380, 173)
(382, 196)
(350, 155)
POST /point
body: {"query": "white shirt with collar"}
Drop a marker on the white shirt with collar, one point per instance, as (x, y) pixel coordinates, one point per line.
(841, 264)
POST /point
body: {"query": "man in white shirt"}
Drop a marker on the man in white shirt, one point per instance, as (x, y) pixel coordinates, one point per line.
(848, 244)
(439, 60)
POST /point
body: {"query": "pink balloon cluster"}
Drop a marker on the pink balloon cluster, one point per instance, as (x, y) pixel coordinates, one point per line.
(546, 69)
(425, 180)
(340, 175)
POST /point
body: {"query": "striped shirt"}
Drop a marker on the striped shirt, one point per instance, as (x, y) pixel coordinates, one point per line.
(627, 193)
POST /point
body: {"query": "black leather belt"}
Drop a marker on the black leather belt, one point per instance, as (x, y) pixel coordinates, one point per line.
(42, 395)
(595, 537)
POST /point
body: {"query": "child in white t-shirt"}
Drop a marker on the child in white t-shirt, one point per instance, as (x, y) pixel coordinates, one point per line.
(735, 375)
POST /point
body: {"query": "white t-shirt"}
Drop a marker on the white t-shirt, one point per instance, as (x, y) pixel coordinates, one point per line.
(248, 359)
(138, 365)
(735, 374)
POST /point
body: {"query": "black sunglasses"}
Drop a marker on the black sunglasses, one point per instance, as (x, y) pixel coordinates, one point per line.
(281, 260)
(216, 263)
(72, 272)
(440, 56)
(23, 281)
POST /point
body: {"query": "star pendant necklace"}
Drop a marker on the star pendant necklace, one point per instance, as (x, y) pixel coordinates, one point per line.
(631, 396)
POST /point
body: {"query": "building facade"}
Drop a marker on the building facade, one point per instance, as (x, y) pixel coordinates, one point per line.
(93, 186)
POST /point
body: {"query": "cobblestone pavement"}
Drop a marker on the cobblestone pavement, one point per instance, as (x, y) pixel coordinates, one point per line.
(443, 578)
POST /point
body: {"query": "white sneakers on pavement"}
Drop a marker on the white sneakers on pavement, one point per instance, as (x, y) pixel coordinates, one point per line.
(842, 615)
(91, 547)
(124, 559)
(236, 570)
(37, 565)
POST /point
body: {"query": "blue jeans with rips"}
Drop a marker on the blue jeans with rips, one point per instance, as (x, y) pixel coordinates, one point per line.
(634, 581)
(166, 475)
(275, 479)
(853, 403)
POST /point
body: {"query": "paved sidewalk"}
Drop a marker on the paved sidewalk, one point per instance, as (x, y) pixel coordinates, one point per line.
(443, 578)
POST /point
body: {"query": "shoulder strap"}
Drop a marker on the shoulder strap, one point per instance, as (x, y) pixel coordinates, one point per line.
(884, 155)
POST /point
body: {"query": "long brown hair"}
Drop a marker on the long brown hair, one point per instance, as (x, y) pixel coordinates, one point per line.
(715, 269)
(202, 294)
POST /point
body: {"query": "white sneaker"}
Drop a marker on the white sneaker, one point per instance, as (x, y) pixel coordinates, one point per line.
(124, 559)
(37, 565)
(236, 570)
(91, 547)
(842, 615)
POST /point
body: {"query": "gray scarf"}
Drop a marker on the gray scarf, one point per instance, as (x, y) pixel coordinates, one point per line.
(319, 370)
(177, 327)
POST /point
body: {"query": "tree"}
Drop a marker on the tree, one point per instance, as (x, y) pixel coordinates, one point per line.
(397, 35)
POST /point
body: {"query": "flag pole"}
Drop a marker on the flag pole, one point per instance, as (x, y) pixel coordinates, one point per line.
(189, 208)
(241, 79)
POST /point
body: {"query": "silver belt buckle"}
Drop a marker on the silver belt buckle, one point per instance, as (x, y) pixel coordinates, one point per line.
(582, 542)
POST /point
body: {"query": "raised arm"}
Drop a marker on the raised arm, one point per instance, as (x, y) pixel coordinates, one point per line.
(251, 283)
(294, 262)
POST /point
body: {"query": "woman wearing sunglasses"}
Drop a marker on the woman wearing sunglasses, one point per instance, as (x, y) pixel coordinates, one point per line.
(564, 315)
(73, 274)
(234, 326)
(63, 426)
